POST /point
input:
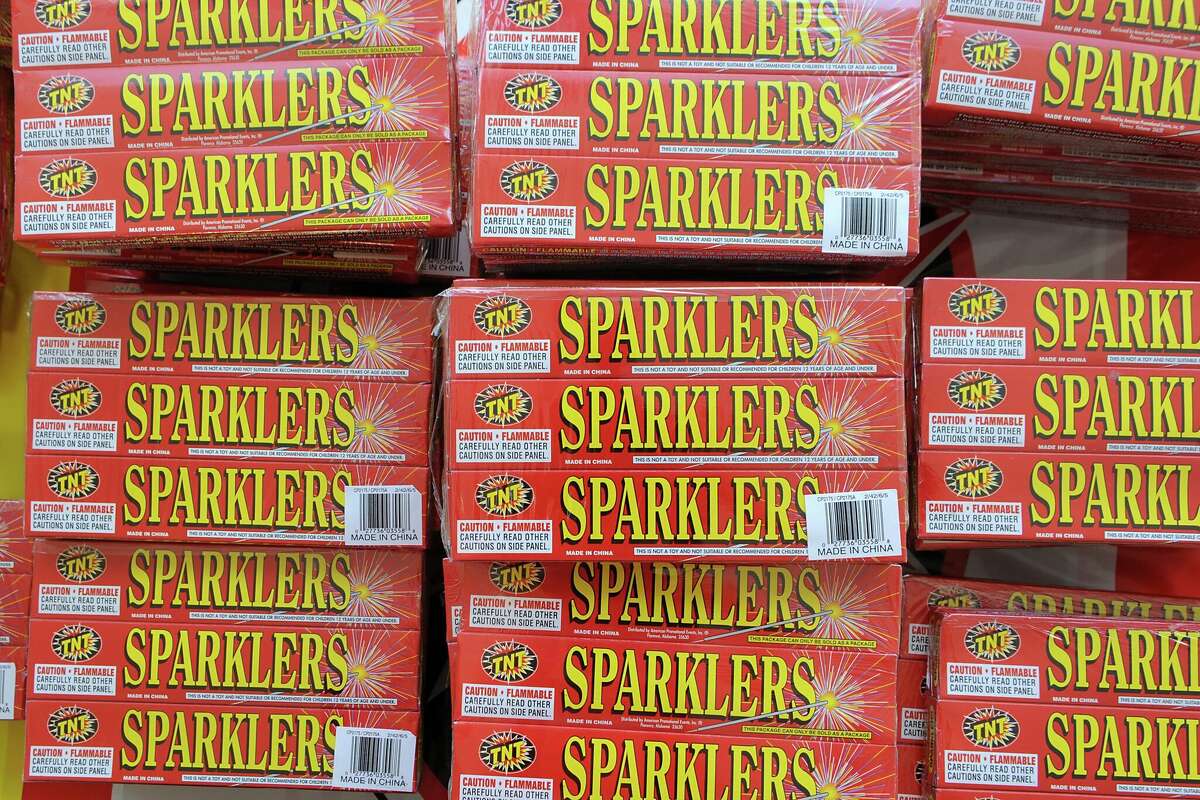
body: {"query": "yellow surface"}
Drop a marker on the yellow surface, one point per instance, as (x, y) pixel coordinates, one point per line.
(25, 276)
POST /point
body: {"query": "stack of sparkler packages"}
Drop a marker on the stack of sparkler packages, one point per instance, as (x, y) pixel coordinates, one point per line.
(207, 126)
(667, 128)
(229, 496)
(674, 520)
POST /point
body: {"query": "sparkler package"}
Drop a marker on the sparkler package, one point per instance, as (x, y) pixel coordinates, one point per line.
(15, 592)
(912, 772)
(913, 700)
(16, 551)
(221, 745)
(347, 338)
(310, 587)
(689, 688)
(737, 515)
(561, 330)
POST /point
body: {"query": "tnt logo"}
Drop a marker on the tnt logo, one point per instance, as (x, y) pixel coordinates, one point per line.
(992, 728)
(75, 643)
(503, 495)
(973, 478)
(81, 563)
(80, 317)
(72, 725)
(976, 390)
(533, 13)
(510, 662)
(501, 315)
(75, 398)
(991, 51)
(528, 181)
(954, 597)
(62, 14)
(67, 177)
(532, 92)
(66, 94)
(507, 752)
(73, 480)
(503, 404)
(992, 641)
(977, 303)
(519, 578)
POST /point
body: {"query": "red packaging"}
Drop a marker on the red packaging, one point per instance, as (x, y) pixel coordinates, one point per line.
(454, 594)
(228, 417)
(853, 607)
(1093, 323)
(107, 32)
(134, 662)
(494, 761)
(913, 701)
(1164, 25)
(234, 105)
(924, 594)
(201, 195)
(871, 37)
(1060, 83)
(692, 689)
(16, 551)
(349, 338)
(627, 206)
(231, 502)
(176, 583)
(504, 328)
(981, 794)
(1063, 748)
(738, 515)
(1056, 499)
(672, 114)
(911, 771)
(826, 422)
(224, 745)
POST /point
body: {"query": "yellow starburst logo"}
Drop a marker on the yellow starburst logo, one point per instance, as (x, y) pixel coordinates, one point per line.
(974, 478)
(992, 728)
(954, 597)
(528, 181)
(976, 390)
(507, 752)
(72, 725)
(533, 13)
(532, 92)
(977, 303)
(67, 178)
(509, 662)
(991, 51)
(502, 315)
(75, 398)
(73, 480)
(62, 14)
(503, 404)
(75, 643)
(504, 495)
(992, 641)
(80, 317)
(66, 94)
(81, 563)
(517, 578)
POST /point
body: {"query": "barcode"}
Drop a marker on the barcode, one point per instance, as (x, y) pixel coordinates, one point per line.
(377, 755)
(874, 217)
(860, 520)
(448, 256)
(869, 222)
(442, 250)
(385, 511)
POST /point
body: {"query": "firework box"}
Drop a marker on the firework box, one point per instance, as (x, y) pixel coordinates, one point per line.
(969, 794)
(1050, 81)
(132, 661)
(1092, 323)
(502, 328)
(911, 772)
(57, 33)
(16, 551)
(852, 607)
(221, 745)
(925, 595)
(1064, 748)
(197, 195)
(652, 114)
(229, 502)
(349, 338)
(226, 416)
(868, 37)
(234, 105)
(686, 688)
(86, 581)
(1056, 499)
(736, 515)
(1161, 24)
(496, 761)
(913, 701)
(454, 593)
(985, 655)
(626, 206)
(825, 422)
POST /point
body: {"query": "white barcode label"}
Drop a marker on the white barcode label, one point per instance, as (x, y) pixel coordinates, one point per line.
(853, 525)
(374, 759)
(379, 516)
(866, 222)
(8, 690)
(448, 257)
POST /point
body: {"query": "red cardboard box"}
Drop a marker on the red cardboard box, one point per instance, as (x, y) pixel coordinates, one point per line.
(504, 328)
(318, 337)
(913, 700)
(980, 794)
(494, 760)
(234, 105)
(671, 114)
(228, 417)
(454, 594)
(687, 688)
(16, 551)
(109, 742)
(1092, 323)
(738, 515)
(912, 771)
(277, 503)
(1056, 498)
(825, 605)
(825, 422)
(135, 661)
(257, 585)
